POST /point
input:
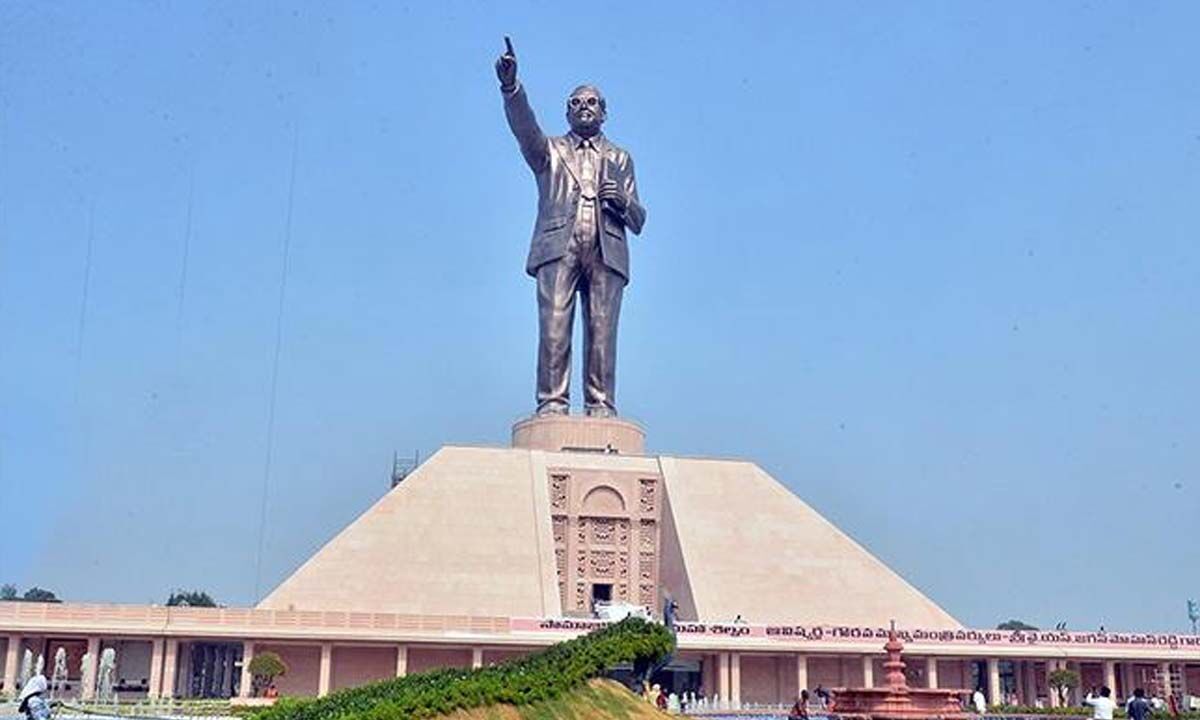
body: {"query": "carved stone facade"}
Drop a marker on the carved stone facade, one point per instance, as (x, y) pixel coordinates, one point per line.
(606, 533)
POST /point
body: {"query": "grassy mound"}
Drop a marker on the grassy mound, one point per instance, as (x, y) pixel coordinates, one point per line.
(597, 700)
(543, 677)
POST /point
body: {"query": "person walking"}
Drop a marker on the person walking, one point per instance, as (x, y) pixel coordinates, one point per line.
(31, 701)
(1102, 704)
(1138, 707)
(799, 711)
(822, 697)
(979, 701)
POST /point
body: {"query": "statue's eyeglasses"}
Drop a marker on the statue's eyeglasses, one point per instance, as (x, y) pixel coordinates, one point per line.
(591, 101)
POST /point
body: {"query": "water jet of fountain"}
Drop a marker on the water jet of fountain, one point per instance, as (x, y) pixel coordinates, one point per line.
(26, 667)
(108, 666)
(59, 679)
(85, 675)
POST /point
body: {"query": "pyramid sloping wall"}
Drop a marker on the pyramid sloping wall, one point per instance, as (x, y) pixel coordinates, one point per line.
(470, 533)
(752, 548)
(465, 534)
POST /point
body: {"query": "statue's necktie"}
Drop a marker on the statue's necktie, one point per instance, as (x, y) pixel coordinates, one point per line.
(587, 168)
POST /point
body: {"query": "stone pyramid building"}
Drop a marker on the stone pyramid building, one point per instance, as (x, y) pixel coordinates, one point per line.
(575, 513)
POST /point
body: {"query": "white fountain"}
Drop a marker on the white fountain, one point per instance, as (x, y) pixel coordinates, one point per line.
(59, 679)
(26, 667)
(85, 672)
(108, 667)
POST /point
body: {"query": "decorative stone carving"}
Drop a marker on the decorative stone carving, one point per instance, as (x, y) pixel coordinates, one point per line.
(647, 535)
(646, 565)
(603, 563)
(603, 530)
(623, 532)
(558, 491)
(647, 495)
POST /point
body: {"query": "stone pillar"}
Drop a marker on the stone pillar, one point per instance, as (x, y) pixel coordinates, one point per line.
(326, 673)
(1164, 683)
(1076, 695)
(1183, 688)
(868, 669)
(170, 660)
(723, 677)
(12, 658)
(1110, 677)
(228, 664)
(401, 660)
(476, 658)
(1019, 680)
(931, 672)
(156, 662)
(801, 674)
(993, 671)
(89, 679)
(735, 679)
(245, 685)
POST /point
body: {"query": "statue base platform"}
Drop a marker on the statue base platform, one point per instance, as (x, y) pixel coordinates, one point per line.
(579, 433)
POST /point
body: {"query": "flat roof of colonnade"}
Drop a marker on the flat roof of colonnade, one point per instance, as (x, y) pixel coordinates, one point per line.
(154, 621)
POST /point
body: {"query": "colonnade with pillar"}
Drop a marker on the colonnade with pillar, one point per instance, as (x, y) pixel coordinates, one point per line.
(1005, 681)
(320, 667)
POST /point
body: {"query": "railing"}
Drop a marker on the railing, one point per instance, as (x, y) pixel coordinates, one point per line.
(216, 618)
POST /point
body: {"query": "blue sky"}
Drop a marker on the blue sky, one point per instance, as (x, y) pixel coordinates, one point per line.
(932, 265)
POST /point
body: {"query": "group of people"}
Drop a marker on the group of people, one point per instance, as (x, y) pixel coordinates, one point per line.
(1138, 707)
(800, 710)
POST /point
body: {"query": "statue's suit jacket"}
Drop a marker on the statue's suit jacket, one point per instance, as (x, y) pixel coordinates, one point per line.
(556, 168)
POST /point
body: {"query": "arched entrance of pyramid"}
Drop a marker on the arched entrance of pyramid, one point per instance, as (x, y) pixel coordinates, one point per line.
(606, 537)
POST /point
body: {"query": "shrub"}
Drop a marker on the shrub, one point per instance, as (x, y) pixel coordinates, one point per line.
(264, 668)
(1063, 681)
(542, 676)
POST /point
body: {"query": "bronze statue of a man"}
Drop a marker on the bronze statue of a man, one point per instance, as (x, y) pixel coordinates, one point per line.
(587, 198)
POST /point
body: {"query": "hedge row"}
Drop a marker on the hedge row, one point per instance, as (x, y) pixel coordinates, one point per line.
(542, 676)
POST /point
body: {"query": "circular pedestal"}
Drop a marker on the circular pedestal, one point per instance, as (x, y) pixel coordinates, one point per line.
(579, 433)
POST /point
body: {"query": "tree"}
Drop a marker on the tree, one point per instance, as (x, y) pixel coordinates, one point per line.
(1063, 681)
(264, 668)
(1015, 625)
(37, 594)
(190, 598)
(8, 592)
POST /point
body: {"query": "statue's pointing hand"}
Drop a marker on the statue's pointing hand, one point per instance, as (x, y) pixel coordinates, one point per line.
(506, 66)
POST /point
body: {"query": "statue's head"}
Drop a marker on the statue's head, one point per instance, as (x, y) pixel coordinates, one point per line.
(586, 110)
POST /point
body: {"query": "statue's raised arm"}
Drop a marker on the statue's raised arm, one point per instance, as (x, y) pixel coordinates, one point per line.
(520, 116)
